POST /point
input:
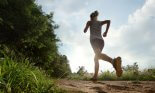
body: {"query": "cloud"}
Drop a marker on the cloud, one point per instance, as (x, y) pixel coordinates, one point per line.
(133, 41)
(137, 37)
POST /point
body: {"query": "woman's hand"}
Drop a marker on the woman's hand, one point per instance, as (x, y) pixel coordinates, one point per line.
(104, 34)
(85, 31)
(107, 28)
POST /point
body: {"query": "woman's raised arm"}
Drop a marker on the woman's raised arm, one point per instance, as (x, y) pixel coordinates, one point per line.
(107, 28)
(87, 26)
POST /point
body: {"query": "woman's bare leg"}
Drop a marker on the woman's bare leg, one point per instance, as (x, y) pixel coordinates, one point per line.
(96, 60)
(105, 57)
(115, 62)
(99, 55)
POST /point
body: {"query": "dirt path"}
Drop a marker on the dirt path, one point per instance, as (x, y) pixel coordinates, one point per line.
(78, 86)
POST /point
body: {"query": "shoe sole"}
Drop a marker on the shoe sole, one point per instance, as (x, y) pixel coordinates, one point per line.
(119, 70)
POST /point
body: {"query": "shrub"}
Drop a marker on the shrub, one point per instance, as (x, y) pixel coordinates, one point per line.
(81, 74)
(107, 75)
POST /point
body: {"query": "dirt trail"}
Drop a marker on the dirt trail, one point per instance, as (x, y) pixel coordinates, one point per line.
(78, 86)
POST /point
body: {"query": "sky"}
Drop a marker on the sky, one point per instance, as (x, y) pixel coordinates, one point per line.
(131, 34)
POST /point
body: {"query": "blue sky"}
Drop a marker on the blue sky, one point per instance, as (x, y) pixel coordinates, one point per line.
(131, 34)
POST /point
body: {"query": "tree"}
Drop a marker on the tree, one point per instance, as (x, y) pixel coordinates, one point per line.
(27, 32)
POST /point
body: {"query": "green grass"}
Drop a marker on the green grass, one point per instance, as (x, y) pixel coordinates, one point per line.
(24, 78)
(144, 75)
(75, 76)
(130, 72)
(107, 75)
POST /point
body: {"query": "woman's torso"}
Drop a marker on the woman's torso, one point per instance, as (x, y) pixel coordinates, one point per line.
(95, 30)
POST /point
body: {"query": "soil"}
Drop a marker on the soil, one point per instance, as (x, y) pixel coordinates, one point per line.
(80, 86)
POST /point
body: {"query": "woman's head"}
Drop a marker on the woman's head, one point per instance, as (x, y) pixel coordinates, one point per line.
(93, 16)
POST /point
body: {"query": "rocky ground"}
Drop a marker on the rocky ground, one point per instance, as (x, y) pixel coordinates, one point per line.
(79, 86)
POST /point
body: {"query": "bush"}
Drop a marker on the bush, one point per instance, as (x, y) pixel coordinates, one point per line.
(23, 77)
(107, 75)
(81, 74)
(147, 75)
(129, 75)
(130, 72)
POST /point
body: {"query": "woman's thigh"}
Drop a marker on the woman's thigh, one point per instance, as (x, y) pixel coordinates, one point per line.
(97, 45)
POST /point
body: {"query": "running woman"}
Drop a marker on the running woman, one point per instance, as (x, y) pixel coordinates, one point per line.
(97, 43)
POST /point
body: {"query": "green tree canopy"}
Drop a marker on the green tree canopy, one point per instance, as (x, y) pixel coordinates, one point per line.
(27, 32)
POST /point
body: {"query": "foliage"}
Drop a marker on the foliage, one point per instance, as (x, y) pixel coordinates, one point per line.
(107, 75)
(134, 68)
(61, 67)
(26, 32)
(23, 77)
(131, 72)
(81, 71)
(81, 74)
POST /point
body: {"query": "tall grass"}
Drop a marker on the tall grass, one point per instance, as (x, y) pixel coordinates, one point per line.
(130, 72)
(107, 75)
(145, 75)
(24, 78)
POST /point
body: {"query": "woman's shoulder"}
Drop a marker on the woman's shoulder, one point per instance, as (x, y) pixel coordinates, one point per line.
(89, 22)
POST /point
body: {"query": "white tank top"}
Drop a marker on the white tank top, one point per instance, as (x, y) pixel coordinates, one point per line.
(95, 30)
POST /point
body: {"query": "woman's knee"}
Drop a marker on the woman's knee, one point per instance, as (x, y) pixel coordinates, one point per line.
(96, 58)
(98, 55)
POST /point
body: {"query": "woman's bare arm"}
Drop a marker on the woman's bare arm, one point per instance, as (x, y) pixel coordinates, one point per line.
(87, 26)
(107, 28)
